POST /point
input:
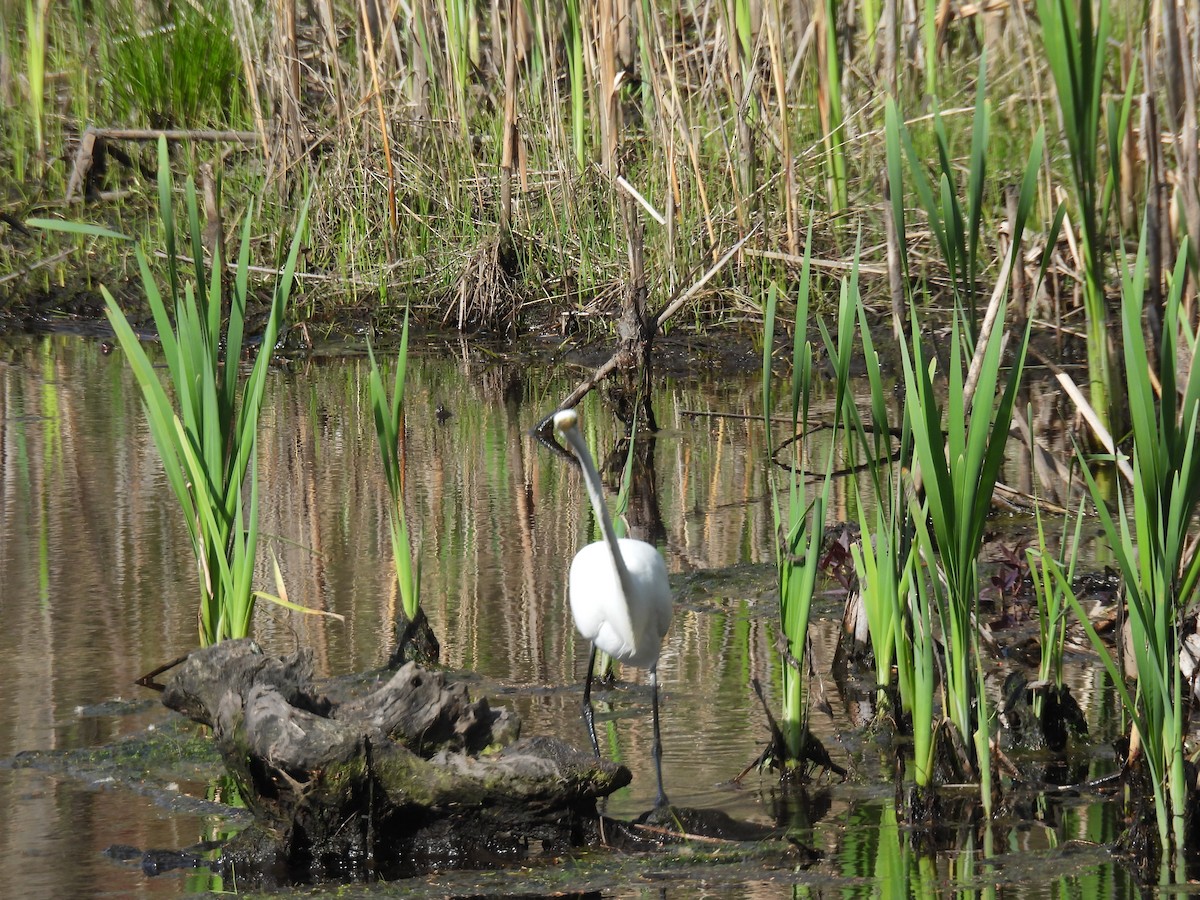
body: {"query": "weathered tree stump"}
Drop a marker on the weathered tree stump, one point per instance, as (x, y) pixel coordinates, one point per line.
(405, 777)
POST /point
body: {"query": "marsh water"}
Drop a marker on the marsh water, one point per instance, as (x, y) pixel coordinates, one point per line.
(97, 586)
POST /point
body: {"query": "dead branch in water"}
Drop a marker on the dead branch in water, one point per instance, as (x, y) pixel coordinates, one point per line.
(655, 322)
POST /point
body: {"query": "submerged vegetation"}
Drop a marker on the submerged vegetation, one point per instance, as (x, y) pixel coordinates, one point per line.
(575, 167)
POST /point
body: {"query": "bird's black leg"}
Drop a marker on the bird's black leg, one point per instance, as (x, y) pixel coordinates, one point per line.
(656, 750)
(589, 714)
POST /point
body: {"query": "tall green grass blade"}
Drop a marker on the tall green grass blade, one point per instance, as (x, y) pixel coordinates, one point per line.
(799, 535)
(197, 237)
(575, 74)
(925, 586)
(976, 178)
(78, 228)
(35, 66)
(768, 340)
(893, 140)
(166, 215)
(1076, 48)
(835, 138)
(159, 413)
(388, 414)
(235, 332)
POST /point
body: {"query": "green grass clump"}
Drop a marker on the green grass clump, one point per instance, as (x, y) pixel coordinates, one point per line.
(799, 525)
(206, 428)
(1159, 570)
(959, 447)
(182, 71)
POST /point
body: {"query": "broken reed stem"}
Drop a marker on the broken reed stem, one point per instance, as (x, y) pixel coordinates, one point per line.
(675, 305)
(985, 330)
(242, 17)
(508, 130)
(779, 76)
(175, 134)
(653, 322)
(85, 155)
(377, 97)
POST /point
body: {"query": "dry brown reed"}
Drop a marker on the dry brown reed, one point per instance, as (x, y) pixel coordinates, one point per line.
(429, 127)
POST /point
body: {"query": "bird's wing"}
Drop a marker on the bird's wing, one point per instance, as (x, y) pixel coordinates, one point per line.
(650, 607)
(597, 602)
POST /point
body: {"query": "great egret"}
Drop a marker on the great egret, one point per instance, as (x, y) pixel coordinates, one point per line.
(620, 595)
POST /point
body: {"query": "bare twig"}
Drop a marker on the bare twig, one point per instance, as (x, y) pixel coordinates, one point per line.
(675, 305)
(656, 322)
(836, 265)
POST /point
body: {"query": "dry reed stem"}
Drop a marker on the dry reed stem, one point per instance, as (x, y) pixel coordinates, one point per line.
(607, 72)
(484, 297)
(779, 76)
(377, 97)
(690, 136)
(508, 132)
(242, 17)
(329, 55)
(985, 330)
(287, 77)
(1103, 436)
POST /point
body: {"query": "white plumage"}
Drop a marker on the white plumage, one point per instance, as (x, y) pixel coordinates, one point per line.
(620, 594)
(630, 632)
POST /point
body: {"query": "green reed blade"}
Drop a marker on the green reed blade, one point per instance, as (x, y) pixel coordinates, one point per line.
(976, 179)
(197, 236)
(159, 412)
(77, 228)
(388, 415)
(235, 331)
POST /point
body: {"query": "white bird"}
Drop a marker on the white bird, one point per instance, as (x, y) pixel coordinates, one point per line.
(620, 594)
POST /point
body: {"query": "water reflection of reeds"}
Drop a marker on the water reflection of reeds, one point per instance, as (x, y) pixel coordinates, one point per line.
(498, 516)
(88, 551)
(99, 583)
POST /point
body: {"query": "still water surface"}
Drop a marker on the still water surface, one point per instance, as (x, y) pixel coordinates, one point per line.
(97, 586)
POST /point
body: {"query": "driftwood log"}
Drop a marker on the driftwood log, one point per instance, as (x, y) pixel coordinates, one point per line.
(403, 777)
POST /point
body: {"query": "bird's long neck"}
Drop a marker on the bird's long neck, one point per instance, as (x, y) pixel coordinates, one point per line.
(595, 489)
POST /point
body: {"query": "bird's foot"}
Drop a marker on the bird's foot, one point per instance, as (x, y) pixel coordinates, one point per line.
(662, 816)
